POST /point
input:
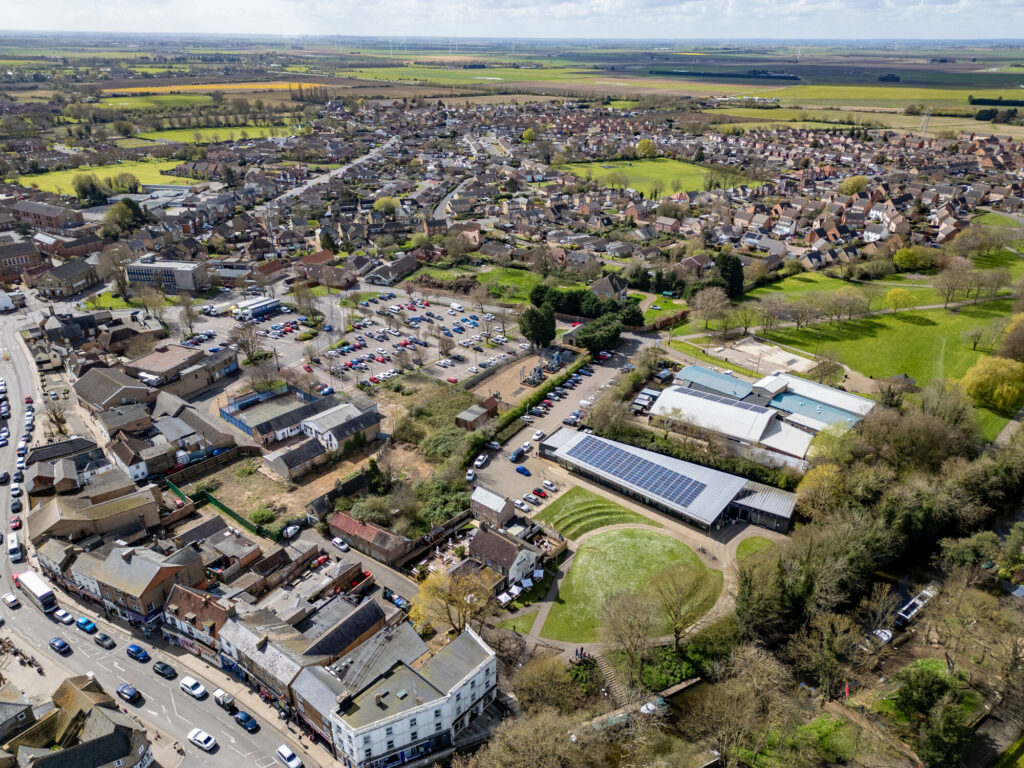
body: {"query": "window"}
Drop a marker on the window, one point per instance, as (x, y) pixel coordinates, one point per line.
(366, 740)
(412, 722)
(437, 728)
(437, 714)
(472, 683)
(412, 736)
(368, 754)
(458, 696)
(389, 732)
(390, 744)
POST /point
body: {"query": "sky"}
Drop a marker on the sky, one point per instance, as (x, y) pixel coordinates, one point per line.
(682, 19)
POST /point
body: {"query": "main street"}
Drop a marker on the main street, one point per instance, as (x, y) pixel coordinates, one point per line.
(164, 707)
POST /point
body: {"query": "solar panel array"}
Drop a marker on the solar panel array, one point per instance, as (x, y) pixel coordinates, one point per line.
(726, 400)
(637, 471)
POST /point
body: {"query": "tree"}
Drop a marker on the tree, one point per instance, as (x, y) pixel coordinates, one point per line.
(709, 304)
(953, 280)
(646, 148)
(771, 309)
(601, 334)
(915, 257)
(944, 737)
(249, 342)
(305, 302)
(1011, 345)
(544, 682)
(827, 649)
(997, 382)
(677, 589)
(528, 135)
(450, 601)
(57, 415)
(822, 491)
(852, 302)
(111, 266)
(187, 315)
(153, 300)
(538, 325)
(853, 185)
(899, 298)
(731, 269)
(544, 738)
(327, 242)
(628, 622)
(445, 344)
(386, 205)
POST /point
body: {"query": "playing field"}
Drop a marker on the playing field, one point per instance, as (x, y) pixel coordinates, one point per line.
(226, 133)
(578, 511)
(644, 174)
(147, 173)
(609, 563)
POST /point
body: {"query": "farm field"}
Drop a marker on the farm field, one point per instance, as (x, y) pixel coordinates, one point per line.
(156, 101)
(146, 173)
(611, 562)
(207, 135)
(880, 95)
(269, 85)
(642, 174)
(578, 511)
(925, 345)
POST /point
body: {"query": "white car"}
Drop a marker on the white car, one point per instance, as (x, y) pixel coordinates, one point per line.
(470, 475)
(524, 346)
(202, 739)
(10, 600)
(15, 488)
(521, 505)
(291, 531)
(538, 435)
(480, 461)
(63, 616)
(526, 446)
(193, 687)
(340, 544)
(550, 486)
(289, 758)
(472, 369)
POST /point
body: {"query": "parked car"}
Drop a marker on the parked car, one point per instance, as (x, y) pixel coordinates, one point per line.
(104, 641)
(63, 616)
(287, 757)
(60, 645)
(202, 739)
(11, 600)
(193, 687)
(531, 498)
(128, 692)
(470, 475)
(340, 544)
(549, 485)
(481, 460)
(86, 624)
(523, 471)
(138, 653)
(247, 721)
(522, 506)
(165, 670)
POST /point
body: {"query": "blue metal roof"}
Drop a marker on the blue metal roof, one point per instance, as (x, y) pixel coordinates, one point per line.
(726, 385)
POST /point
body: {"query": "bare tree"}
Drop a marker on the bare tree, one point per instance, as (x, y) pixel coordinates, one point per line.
(628, 622)
(677, 589)
(57, 415)
(772, 308)
(710, 304)
(954, 279)
(153, 300)
(111, 266)
(445, 344)
(187, 315)
(250, 343)
(973, 336)
(746, 315)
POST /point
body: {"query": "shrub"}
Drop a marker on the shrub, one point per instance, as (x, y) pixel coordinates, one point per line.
(262, 516)
(408, 431)
(306, 336)
(248, 469)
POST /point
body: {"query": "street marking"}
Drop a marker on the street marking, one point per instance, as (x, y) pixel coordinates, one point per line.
(154, 712)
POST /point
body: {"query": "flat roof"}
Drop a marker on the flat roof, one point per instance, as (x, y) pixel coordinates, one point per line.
(836, 398)
(713, 380)
(267, 410)
(716, 413)
(163, 358)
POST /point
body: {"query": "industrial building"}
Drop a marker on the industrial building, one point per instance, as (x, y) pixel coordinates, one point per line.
(702, 497)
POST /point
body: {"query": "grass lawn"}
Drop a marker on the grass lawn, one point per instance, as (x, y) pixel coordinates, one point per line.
(751, 546)
(443, 274)
(668, 307)
(883, 95)
(608, 563)
(925, 345)
(156, 101)
(522, 623)
(146, 173)
(1013, 757)
(642, 174)
(510, 284)
(319, 290)
(207, 135)
(809, 282)
(1004, 258)
(353, 301)
(106, 300)
(621, 104)
(577, 511)
(996, 220)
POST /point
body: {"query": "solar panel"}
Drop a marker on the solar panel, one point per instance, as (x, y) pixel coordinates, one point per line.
(722, 399)
(637, 471)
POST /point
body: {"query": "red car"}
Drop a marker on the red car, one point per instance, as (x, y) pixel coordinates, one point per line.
(15, 523)
(375, 380)
(307, 368)
(452, 380)
(541, 492)
(380, 359)
(28, 399)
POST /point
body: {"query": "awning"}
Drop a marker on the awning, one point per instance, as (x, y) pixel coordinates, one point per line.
(504, 598)
(527, 583)
(538, 575)
(516, 590)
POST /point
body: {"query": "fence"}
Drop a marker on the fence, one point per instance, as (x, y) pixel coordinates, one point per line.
(205, 497)
(207, 466)
(324, 504)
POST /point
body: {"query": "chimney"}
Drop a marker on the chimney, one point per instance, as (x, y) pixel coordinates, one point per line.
(127, 555)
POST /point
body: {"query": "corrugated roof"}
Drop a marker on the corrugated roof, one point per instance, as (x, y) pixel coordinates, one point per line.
(714, 381)
(716, 413)
(485, 497)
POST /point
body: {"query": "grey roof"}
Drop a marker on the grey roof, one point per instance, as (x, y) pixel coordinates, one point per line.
(115, 418)
(487, 498)
(358, 424)
(765, 498)
(295, 415)
(342, 635)
(453, 663)
(373, 659)
(318, 688)
(59, 450)
(173, 428)
(299, 454)
(70, 270)
(12, 702)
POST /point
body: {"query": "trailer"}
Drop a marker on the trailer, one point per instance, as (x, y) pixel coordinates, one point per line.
(216, 310)
(261, 308)
(241, 306)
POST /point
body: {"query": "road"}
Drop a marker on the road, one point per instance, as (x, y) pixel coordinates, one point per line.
(164, 708)
(438, 212)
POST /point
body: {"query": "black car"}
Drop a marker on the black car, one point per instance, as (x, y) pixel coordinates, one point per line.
(5, 477)
(18, 476)
(128, 692)
(104, 641)
(164, 670)
(15, 505)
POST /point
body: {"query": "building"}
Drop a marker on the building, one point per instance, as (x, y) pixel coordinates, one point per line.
(114, 506)
(410, 712)
(510, 557)
(51, 218)
(393, 271)
(491, 507)
(376, 542)
(16, 258)
(169, 276)
(810, 405)
(702, 497)
(611, 287)
(193, 620)
(334, 427)
(16, 711)
(746, 424)
(68, 279)
(83, 728)
(183, 371)
(271, 420)
(101, 389)
(476, 415)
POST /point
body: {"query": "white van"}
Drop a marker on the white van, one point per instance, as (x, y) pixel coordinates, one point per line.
(14, 548)
(456, 307)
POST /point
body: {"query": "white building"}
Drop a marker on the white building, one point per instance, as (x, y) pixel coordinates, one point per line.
(170, 276)
(408, 713)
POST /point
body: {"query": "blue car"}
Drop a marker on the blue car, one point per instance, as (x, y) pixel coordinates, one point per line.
(86, 624)
(60, 645)
(247, 721)
(523, 471)
(137, 652)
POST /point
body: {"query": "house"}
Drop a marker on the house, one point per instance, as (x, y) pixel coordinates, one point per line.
(16, 258)
(414, 712)
(103, 388)
(611, 287)
(52, 218)
(666, 224)
(393, 272)
(131, 418)
(67, 279)
(435, 227)
(193, 620)
(295, 460)
(375, 542)
(16, 713)
(491, 507)
(506, 555)
(476, 415)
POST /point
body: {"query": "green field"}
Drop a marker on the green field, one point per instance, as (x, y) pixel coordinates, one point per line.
(925, 345)
(751, 546)
(578, 511)
(810, 282)
(156, 101)
(515, 285)
(996, 220)
(882, 95)
(608, 563)
(146, 173)
(621, 104)
(668, 307)
(642, 174)
(522, 623)
(207, 135)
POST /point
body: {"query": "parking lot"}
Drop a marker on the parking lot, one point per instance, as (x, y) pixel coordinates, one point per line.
(500, 475)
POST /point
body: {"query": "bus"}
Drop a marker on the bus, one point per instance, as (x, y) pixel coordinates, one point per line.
(35, 589)
(14, 548)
